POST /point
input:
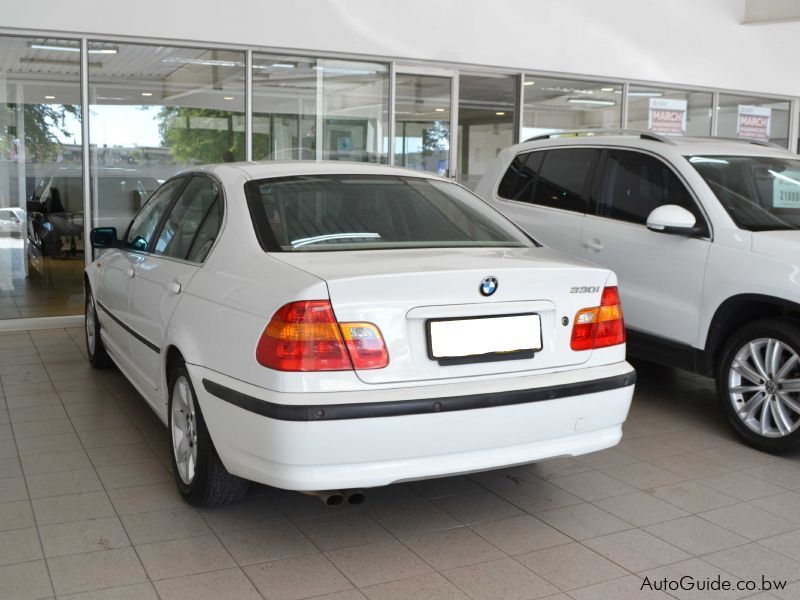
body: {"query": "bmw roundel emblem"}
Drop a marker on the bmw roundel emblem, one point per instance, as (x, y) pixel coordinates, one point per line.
(488, 286)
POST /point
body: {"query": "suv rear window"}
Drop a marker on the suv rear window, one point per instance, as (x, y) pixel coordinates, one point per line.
(359, 212)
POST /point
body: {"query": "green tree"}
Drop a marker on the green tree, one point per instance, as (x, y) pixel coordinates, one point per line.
(41, 124)
(200, 135)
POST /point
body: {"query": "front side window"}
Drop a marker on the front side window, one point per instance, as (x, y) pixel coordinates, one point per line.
(760, 193)
(145, 222)
(361, 212)
(634, 184)
(195, 210)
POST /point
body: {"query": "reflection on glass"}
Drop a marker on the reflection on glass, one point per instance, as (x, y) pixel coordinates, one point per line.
(749, 117)
(422, 127)
(153, 111)
(567, 104)
(353, 111)
(486, 109)
(669, 112)
(41, 221)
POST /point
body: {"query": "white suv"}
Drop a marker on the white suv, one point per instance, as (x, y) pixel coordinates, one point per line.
(704, 235)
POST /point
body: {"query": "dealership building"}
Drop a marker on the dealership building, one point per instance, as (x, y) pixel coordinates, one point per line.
(165, 86)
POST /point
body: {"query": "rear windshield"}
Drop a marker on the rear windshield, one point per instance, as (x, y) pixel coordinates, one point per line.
(361, 212)
(760, 193)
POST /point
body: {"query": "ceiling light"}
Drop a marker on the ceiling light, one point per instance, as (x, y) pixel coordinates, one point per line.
(591, 101)
(147, 93)
(56, 62)
(49, 97)
(529, 83)
(282, 65)
(440, 110)
(69, 48)
(206, 62)
(607, 89)
(500, 113)
(646, 94)
(227, 98)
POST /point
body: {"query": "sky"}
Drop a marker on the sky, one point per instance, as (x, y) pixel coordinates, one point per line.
(114, 125)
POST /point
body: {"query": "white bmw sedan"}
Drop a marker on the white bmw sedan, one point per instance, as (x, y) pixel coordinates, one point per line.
(329, 327)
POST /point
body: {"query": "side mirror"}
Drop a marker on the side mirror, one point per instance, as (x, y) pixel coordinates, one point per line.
(103, 237)
(673, 219)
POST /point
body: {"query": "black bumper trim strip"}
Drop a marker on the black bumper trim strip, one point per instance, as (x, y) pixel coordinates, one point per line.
(139, 337)
(368, 410)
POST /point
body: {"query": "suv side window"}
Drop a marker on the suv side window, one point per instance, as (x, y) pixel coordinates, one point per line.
(193, 222)
(145, 222)
(520, 178)
(635, 184)
(563, 178)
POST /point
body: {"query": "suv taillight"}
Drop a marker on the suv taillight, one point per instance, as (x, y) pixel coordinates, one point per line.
(305, 336)
(599, 326)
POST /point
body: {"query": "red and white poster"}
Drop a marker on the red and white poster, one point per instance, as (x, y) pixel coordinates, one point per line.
(667, 116)
(753, 122)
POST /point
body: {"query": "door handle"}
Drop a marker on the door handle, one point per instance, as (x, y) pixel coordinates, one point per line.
(174, 287)
(130, 272)
(593, 244)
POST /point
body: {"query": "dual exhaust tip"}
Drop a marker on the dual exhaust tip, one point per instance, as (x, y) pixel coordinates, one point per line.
(337, 498)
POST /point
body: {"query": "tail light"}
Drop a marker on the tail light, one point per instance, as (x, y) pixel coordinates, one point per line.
(305, 336)
(600, 326)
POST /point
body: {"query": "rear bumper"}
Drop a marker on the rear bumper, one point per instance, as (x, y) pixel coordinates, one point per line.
(372, 438)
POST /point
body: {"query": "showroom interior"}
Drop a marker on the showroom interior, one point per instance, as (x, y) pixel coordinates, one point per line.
(104, 103)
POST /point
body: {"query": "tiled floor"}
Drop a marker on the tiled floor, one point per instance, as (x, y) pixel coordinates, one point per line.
(88, 509)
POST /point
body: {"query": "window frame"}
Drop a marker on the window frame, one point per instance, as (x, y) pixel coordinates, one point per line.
(600, 175)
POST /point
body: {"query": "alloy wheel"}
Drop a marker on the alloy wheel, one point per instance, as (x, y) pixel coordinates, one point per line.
(764, 387)
(184, 430)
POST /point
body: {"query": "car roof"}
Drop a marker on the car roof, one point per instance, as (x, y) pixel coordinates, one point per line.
(292, 168)
(685, 145)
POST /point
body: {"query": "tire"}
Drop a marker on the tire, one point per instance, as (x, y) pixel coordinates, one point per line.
(94, 342)
(199, 474)
(758, 384)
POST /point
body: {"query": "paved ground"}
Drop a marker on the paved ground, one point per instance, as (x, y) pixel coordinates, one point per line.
(88, 509)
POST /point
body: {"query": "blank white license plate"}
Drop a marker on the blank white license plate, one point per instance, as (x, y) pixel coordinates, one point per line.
(459, 338)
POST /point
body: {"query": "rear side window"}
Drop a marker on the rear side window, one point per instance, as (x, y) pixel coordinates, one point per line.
(635, 184)
(564, 178)
(362, 212)
(520, 178)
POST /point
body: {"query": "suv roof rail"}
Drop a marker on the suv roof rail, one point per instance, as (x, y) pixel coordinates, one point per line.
(764, 143)
(645, 135)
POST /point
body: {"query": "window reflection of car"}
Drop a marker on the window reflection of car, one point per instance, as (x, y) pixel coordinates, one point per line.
(55, 211)
(12, 222)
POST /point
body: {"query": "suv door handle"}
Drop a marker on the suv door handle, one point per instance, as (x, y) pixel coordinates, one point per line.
(174, 287)
(130, 272)
(593, 244)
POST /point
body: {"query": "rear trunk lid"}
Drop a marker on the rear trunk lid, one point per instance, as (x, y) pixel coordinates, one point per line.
(402, 291)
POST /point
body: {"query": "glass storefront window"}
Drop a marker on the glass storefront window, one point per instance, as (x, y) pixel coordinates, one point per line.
(41, 223)
(153, 111)
(669, 112)
(422, 122)
(486, 108)
(751, 117)
(353, 114)
(563, 104)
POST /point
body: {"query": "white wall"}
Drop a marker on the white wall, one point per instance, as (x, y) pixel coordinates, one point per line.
(695, 42)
